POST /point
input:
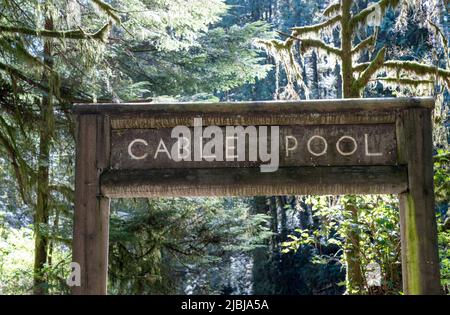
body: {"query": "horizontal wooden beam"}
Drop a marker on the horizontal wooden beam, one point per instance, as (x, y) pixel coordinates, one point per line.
(169, 120)
(250, 182)
(237, 108)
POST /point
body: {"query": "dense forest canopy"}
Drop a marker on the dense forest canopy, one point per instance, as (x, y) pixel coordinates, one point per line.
(55, 53)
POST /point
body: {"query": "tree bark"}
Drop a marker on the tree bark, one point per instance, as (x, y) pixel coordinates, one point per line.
(43, 192)
(346, 48)
(354, 276)
(260, 270)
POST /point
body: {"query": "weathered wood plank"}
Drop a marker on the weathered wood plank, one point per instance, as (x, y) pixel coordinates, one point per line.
(298, 146)
(91, 217)
(233, 108)
(343, 111)
(251, 182)
(165, 120)
(420, 260)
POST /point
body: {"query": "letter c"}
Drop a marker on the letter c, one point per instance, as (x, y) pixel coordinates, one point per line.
(134, 157)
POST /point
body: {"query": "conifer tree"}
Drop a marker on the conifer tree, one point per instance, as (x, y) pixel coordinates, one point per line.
(355, 75)
(346, 17)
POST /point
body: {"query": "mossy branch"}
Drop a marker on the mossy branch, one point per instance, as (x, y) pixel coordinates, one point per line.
(101, 34)
(369, 41)
(363, 14)
(19, 51)
(313, 43)
(331, 9)
(404, 81)
(18, 165)
(439, 31)
(371, 69)
(108, 9)
(411, 66)
(18, 74)
(44, 88)
(296, 31)
(64, 190)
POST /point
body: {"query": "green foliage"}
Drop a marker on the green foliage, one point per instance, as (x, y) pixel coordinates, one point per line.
(157, 245)
(442, 176)
(377, 227)
(444, 256)
(57, 52)
(223, 59)
(16, 260)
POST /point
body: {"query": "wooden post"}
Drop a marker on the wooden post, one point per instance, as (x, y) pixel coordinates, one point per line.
(91, 222)
(420, 259)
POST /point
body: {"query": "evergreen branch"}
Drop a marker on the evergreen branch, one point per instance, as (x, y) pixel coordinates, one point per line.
(64, 190)
(108, 9)
(363, 44)
(101, 34)
(296, 31)
(313, 43)
(44, 88)
(18, 74)
(412, 66)
(363, 14)
(439, 31)
(19, 51)
(332, 8)
(404, 81)
(419, 69)
(371, 69)
(16, 163)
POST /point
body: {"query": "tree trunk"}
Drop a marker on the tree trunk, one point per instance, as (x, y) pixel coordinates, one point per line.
(43, 193)
(274, 226)
(260, 270)
(354, 277)
(281, 205)
(346, 47)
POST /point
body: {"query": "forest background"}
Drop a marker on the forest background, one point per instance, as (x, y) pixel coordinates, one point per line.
(55, 53)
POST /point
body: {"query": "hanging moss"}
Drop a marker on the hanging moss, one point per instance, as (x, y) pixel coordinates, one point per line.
(107, 9)
(101, 34)
(316, 28)
(332, 9)
(368, 42)
(373, 13)
(283, 52)
(371, 69)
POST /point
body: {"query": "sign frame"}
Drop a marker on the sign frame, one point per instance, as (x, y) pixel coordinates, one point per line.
(411, 177)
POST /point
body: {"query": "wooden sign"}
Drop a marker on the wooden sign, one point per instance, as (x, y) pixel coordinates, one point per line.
(350, 146)
(327, 145)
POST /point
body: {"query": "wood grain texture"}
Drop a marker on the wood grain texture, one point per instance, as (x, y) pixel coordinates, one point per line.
(237, 108)
(91, 215)
(420, 260)
(251, 182)
(167, 120)
(338, 111)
